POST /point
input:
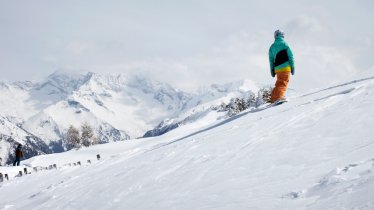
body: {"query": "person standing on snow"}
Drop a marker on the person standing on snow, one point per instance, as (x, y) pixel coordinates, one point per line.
(19, 155)
(281, 64)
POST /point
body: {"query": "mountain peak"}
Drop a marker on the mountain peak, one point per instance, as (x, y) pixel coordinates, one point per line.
(63, 82)
(68, 76)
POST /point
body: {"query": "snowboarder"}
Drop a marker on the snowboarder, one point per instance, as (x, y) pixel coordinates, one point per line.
(19, 155)
(281, 64)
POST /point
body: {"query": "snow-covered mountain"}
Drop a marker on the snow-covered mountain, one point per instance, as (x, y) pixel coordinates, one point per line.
(118, 107)
(314, 152)
(11, 135)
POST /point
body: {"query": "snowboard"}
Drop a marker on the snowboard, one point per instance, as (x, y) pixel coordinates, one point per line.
(268, 105)
(279, 102)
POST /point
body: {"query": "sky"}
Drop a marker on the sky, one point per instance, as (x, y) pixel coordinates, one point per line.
(186, 43)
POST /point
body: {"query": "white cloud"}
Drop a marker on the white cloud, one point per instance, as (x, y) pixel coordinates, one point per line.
(309, 29)
(241, 56)
(319, 59)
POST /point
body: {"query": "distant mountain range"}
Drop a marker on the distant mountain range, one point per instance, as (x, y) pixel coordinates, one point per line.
(119, 107)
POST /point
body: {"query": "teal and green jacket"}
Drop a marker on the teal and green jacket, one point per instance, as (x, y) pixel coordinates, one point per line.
(280, 57)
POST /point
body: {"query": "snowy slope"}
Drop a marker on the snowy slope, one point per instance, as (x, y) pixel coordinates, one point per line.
(314, 152)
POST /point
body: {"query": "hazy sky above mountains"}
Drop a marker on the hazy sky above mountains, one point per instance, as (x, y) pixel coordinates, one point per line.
(186, 43)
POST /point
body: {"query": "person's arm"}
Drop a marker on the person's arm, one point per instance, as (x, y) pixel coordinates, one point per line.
(290, 59)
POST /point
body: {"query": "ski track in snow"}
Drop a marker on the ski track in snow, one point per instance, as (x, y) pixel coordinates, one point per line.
(314, 152)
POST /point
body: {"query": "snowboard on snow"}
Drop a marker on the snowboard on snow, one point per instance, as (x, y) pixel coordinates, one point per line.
(268, 105)
(279, 102)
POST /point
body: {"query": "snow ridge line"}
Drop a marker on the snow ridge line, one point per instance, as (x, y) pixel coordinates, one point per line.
(336, 86)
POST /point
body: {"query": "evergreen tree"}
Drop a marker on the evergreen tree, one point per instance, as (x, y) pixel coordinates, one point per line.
(250, 99)
(72, 138)
(264, 95)
(87, 137)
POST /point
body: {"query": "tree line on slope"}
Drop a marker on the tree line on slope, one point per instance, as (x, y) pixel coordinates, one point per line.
(237, 105)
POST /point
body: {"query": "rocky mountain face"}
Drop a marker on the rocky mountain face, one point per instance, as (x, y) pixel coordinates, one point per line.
(118, 107)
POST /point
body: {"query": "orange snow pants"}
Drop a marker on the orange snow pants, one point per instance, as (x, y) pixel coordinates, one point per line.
(280, 86)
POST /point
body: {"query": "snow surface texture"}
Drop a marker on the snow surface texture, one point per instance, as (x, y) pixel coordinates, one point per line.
(314, 152)
(118, 107)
